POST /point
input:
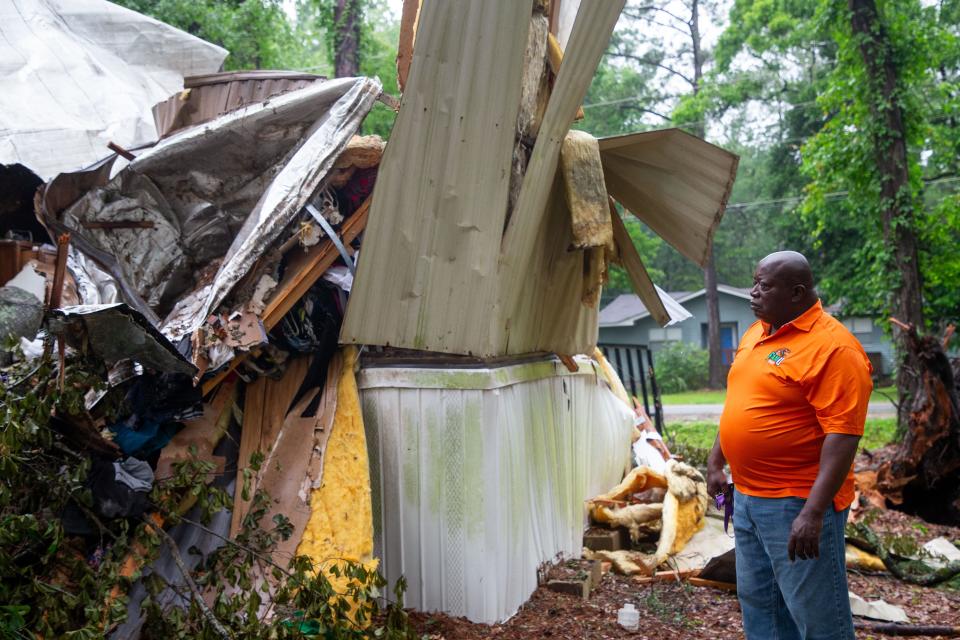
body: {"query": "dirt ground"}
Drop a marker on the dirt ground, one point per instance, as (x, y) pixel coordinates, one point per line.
(678, 610)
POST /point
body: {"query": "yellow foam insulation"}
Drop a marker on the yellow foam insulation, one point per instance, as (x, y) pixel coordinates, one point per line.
(341, 513)
(628, 563)
(859, 559)
(684, 507)
(616, 385)
(639, 519)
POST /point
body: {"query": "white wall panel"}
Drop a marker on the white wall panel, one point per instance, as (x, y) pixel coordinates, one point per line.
(479, 476)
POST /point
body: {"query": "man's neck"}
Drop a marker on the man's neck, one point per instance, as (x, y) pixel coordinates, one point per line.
(806, 307)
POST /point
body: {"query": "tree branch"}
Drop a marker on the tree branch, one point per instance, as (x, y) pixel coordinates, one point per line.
(653, 63)
(197, 596)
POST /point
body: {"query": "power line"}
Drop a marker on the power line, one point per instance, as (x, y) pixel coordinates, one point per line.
(832, 195)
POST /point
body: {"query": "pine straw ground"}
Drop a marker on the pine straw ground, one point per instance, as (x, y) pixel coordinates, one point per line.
(678, 610)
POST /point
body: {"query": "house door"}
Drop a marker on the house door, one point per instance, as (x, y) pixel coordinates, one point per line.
(728, 340)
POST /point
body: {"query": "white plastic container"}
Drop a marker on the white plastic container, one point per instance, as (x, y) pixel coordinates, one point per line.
(628, 617)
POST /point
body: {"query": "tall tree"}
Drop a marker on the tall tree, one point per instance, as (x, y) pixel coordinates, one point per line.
(889, 142)
(345, 33)
(684, 66)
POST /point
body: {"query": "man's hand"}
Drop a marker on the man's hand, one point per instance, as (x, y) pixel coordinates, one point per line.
(805, 535)
(716, 478)
(836, 458)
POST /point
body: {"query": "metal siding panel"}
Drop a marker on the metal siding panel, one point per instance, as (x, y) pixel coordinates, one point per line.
(676, 183)
(588, 40)
(500, 475)
(431, 246)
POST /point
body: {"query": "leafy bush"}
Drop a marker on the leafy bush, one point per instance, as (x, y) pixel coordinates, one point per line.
(680, 366)
(54, 585)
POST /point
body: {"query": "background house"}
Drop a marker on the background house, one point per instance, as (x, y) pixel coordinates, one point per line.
(628, 332)
(869, 331)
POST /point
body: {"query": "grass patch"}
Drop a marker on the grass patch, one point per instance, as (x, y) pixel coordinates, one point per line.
(693, 440)
(707, 396)
(704, 396)
(878, 432)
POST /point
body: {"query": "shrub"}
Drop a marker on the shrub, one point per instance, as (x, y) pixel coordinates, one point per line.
(680, 366)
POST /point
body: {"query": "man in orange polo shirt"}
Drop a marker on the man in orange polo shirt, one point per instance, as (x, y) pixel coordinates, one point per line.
(797, 397)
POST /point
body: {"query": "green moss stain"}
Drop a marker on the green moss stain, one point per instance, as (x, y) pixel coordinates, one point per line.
(474, 481)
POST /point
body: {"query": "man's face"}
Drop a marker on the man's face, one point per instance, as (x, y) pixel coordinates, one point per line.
(771, 298)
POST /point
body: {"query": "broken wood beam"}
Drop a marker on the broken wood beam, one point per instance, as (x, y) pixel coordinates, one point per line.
(120, 151)
(715, 584)
(314, 264)
(299, 278)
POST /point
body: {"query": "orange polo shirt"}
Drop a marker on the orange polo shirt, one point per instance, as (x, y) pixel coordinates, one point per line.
(785, 392)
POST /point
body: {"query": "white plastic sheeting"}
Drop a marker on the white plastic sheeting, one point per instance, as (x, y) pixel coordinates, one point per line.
(77, 74)
(480, 475)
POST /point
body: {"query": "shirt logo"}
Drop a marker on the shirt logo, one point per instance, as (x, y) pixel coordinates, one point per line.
(778, 356)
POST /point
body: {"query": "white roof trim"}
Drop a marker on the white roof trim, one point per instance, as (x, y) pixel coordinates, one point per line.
(721, 288)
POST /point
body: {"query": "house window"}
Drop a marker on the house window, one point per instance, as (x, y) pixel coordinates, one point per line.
(665, 335)
(862, 325)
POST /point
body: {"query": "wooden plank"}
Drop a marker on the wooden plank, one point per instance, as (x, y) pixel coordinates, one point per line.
(278, 398)
(204, 433)
(320, 258)
(661, 576)
(408, 34)
(299, 279)
(249, 441)
(284, 476)
(636, 272)
(266, 407)
(723, 586)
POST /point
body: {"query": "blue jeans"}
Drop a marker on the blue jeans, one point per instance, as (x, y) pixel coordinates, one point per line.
(783, 600)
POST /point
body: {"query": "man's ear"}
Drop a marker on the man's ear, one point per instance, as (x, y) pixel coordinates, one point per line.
(799, 292)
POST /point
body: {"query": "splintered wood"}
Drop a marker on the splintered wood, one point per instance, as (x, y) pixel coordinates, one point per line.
(265, 408)
(203, 433)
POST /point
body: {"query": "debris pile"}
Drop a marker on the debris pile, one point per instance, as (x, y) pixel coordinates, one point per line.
(200, 291)
(672, 505)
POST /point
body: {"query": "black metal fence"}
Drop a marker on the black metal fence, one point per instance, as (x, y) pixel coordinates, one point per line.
(634, 365)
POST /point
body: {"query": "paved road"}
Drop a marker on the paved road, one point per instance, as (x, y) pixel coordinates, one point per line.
(879, 409)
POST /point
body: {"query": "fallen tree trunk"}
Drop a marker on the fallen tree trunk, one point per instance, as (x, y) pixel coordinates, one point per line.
(905, 569)
(923, 477)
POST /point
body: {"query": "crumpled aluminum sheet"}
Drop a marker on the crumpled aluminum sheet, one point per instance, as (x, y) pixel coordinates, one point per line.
(226, 188)
(94, 285)
(289, 191)
(115, 332)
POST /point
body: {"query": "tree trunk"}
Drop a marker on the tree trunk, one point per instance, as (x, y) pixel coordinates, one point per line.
(890, 149)
(713, 324)
(923, 477)
(347, 16)
(716, 377)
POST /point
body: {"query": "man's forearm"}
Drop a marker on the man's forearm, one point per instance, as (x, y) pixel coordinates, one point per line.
(715, 458)
(836, 458)
(716, 480)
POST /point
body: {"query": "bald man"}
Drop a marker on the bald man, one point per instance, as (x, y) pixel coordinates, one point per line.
(797, 395)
